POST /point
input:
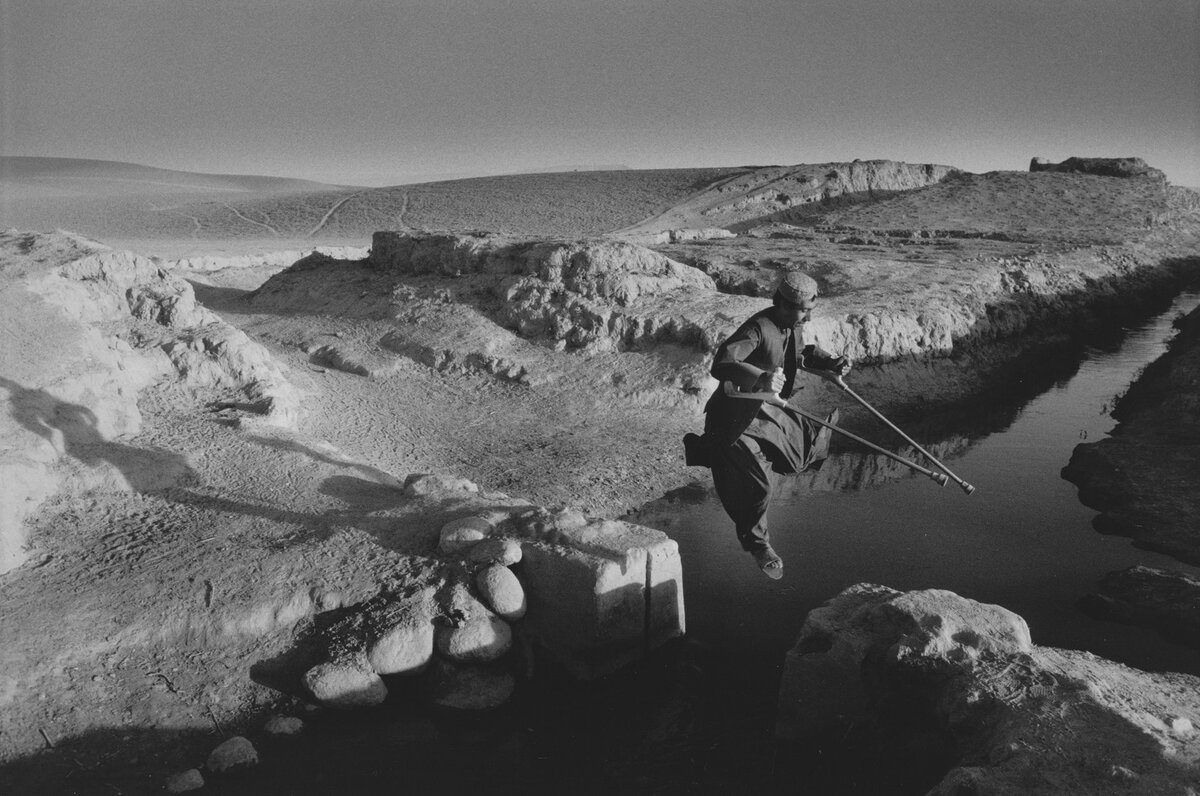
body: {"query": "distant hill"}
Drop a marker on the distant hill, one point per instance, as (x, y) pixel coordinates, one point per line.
(116, 201)
(70, 177)
(123, 202)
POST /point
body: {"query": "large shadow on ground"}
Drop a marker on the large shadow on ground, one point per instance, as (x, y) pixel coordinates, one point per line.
(145, 469)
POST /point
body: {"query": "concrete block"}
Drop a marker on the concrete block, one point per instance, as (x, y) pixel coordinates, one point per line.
(588, 612)
(665, 617)
(602, 597)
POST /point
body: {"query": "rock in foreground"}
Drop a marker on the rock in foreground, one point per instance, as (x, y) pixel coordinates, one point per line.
(1164, 600)
(1008, 717)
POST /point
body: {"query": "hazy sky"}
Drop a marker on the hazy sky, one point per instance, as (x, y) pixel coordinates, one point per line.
(379, 92)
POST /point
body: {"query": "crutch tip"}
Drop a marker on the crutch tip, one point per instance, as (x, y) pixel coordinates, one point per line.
(967, 488)
(940, 478)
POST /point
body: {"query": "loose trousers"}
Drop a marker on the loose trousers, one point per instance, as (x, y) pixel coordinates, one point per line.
(744, 481)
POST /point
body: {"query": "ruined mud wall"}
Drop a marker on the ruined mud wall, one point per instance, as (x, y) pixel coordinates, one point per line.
(1104, 167)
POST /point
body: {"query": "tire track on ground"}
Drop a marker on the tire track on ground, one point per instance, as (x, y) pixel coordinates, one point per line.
(403, 209)
(329, 213)
(237, 213)
(196, 226)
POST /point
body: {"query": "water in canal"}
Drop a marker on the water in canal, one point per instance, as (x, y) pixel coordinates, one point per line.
(1022, 540)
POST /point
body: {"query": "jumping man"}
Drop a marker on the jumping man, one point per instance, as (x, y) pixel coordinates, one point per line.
(748, 442)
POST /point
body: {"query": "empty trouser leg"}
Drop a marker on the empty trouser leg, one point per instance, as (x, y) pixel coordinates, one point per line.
(743, 479)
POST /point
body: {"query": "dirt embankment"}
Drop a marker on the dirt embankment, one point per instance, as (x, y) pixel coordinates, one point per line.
(1143, 477)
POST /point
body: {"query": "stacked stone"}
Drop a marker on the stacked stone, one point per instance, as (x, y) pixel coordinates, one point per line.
(462, 645)
(599, 593)
(478, 632)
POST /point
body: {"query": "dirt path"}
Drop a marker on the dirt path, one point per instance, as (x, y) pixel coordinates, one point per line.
(329, 213)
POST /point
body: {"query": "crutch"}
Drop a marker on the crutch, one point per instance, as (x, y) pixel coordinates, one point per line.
(838, 381)
(772, 398)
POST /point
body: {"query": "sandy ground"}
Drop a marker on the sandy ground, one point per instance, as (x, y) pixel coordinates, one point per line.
(165, 592)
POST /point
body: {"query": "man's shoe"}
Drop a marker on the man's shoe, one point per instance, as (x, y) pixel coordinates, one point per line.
(769, 562)
(696, 451)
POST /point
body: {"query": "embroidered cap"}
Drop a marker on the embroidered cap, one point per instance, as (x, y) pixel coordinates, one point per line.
(796, 287)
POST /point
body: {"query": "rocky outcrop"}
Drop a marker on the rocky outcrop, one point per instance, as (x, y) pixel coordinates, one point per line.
(684, 235)
(598, 295)
(782, 193)
(1103, 167)
(91, 327)
(207, 352)
(962, 682)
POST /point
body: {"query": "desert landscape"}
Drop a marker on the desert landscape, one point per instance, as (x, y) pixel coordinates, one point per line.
(317, 489)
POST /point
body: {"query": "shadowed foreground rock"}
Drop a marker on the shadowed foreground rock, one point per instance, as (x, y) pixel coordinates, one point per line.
(1167, 601)
(1005, 716)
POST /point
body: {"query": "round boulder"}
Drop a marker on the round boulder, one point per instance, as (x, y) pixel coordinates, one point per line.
(235, 753)
(467, 687)
(462, 533)
(283, 725)
(482, 637)
(503, 551)
(346, 686)
(406, 648)
(502, 592)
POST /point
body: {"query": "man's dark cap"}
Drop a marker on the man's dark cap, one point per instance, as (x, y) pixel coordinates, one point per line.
(796, 287)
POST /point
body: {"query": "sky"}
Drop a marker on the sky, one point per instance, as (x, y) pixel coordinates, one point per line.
(382, 92)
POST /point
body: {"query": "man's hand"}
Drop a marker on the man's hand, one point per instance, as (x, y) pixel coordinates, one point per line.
(771, 382)
(838, 367)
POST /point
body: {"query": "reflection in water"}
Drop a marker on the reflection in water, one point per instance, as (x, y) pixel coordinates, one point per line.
(1022, 540)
